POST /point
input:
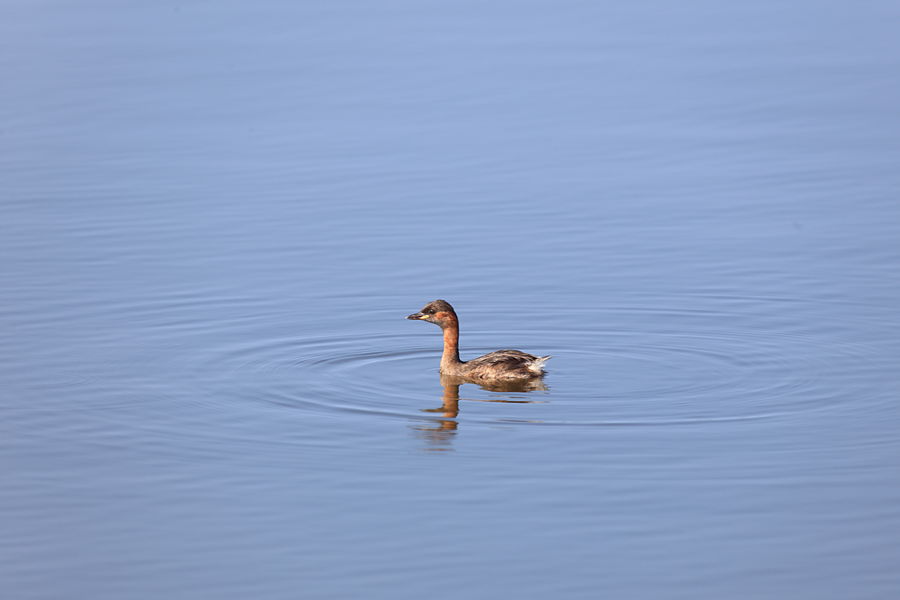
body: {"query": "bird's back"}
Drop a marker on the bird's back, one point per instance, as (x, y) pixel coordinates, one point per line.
(505, 364)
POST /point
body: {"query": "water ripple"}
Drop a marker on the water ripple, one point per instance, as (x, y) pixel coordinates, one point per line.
(706, 366)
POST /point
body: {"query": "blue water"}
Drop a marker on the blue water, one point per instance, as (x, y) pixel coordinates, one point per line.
(215, 217)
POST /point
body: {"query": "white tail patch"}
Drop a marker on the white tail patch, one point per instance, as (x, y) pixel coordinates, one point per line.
(537, 366)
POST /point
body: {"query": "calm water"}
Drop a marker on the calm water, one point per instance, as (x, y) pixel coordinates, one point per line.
(216, 215)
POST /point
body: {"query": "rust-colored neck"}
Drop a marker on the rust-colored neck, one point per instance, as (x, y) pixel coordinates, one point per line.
(450, 357)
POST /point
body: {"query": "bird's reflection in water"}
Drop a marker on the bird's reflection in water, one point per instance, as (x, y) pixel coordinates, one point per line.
(442, 430)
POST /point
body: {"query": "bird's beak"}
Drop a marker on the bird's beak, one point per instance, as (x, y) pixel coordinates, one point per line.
(416, 316)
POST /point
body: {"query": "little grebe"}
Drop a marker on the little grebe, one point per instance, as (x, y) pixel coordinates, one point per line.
(502, 364)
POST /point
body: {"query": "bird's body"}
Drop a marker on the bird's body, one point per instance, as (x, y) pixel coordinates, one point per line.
(508, 364)
(498, 365)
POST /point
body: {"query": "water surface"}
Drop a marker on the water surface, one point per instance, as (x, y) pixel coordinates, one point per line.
(216, 216)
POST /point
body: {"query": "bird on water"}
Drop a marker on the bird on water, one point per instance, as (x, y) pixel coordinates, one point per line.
(499, 365)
